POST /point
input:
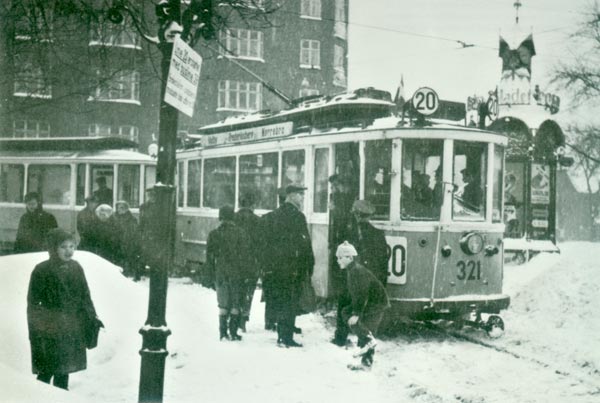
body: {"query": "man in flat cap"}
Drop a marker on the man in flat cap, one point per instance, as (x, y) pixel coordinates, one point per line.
(290, 260)
(373, 253)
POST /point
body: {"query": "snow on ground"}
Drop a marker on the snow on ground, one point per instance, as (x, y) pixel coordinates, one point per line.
(550, 351)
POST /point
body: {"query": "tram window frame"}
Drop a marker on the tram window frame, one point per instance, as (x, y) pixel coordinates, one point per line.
(108, 171)
(422, 163)
(229, 182)
(60, 195)
(180, 183)
(194, 183)
(322, 160)
(498, 184)
(80, 173)
(378, 178)
(6, 185)
(149, 177)
(301, 175)
(463, 161)
(265, 197)
(135, 186)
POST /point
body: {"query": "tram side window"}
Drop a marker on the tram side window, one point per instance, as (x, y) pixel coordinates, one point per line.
(498, 184)
(378, 164)
(470, 173)
(321, 182)
(80, 185)
(101, 183)
(149, 176)
(193, 183)
(128, 186)
(292, 168)
(53, 182)
(421, 193)
(219, 182)
(11, 183)
(180, 184)
(258, 178)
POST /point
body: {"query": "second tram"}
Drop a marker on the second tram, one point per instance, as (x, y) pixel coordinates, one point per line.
(436, 187)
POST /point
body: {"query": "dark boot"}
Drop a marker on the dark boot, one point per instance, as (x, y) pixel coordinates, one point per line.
(243, 320)
(223, 327)
(234, 323)
(61, 381)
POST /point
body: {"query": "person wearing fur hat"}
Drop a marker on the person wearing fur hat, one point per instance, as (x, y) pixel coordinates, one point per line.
(33, 225)
(226, 265)
(369, 301)
(61, 317)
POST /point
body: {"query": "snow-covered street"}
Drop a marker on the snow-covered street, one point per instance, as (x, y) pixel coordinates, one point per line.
(549, 353)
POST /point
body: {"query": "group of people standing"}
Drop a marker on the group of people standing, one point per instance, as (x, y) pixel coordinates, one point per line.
(277, 248)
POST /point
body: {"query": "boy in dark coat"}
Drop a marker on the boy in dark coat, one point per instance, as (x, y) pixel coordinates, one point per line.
(60, 313)
(33, 226)
(369, 302)
(226, 263)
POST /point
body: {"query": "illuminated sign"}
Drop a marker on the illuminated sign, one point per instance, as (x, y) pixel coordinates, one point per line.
(250, 134)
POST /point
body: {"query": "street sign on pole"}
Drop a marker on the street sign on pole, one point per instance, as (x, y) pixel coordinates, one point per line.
(184, 74)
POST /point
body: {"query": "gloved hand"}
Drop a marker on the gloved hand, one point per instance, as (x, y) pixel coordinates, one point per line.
(353, 320)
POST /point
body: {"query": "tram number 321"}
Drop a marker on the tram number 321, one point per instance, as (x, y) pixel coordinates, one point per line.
(469, 270)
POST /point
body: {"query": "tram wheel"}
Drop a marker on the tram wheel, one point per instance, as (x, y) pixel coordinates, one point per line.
(494, 326)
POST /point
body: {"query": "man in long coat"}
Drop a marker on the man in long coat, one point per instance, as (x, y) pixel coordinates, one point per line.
(33, 226)
(291, 260)
(86, 223)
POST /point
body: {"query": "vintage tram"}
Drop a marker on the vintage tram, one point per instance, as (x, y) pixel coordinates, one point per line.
(64, 171)
(436, 186)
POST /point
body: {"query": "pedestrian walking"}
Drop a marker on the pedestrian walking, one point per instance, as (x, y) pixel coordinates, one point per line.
(86, 222)
(61, 317)
(129, 243)
(226, 258)
(33, 225)
(372, 251)
(249, 222)
(290, 260)
(369, 302)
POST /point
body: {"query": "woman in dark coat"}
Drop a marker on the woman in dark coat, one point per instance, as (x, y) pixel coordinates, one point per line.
(129, 242)
(60, 313)
(33, 226)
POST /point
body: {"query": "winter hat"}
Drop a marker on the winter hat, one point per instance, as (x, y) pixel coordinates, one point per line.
(346, 249)
(104, 209)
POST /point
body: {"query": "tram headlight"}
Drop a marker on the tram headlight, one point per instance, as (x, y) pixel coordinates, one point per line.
(471, 243)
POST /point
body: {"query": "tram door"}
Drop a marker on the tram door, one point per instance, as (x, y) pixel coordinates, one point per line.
(345, 189)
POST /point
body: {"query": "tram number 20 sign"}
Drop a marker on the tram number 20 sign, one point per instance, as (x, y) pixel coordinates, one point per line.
(425, 101)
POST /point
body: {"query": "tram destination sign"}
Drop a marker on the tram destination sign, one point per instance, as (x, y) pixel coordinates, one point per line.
(250, 134)
(184, 74)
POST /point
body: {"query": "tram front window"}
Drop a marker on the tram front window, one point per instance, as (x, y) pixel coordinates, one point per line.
(378, 164)
(53, 182)
(470, 173)
(219, 182)
(128, 186)
(258, 179)
(421, 191)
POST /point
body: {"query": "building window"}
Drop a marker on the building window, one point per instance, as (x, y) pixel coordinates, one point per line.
(122, 86)
(239, 96)
(339, 71)
(109, 34)
(310, 53)
(310, 9)
(30, 128)
(243, 43)
(98, 129)
(340, 28)
(30, 81)
(33, 22)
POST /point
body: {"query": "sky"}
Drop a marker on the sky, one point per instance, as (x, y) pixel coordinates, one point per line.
(418, 40)
(548, 354)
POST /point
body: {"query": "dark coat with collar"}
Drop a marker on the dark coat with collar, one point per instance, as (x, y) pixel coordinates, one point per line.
(227, 254)
(366, 291)
(59, 313)
(32, 230)
(372, 248)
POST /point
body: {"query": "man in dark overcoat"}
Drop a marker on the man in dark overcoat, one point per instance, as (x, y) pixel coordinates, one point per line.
(290, 259)
(227, 265)
(33, 226)
(250, 223)
(86, 223)
(372, 253)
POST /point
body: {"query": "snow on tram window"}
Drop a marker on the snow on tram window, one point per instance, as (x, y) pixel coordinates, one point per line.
(52, 182)
(11, 183)
(258, 178)
(219, 182)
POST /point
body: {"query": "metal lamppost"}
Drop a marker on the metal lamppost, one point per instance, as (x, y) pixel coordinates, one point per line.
(172, 23)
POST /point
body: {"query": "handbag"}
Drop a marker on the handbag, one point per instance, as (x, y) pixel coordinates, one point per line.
(92, 331)
(307, 301)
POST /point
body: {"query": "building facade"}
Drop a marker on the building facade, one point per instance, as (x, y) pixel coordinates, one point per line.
(65, 78)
